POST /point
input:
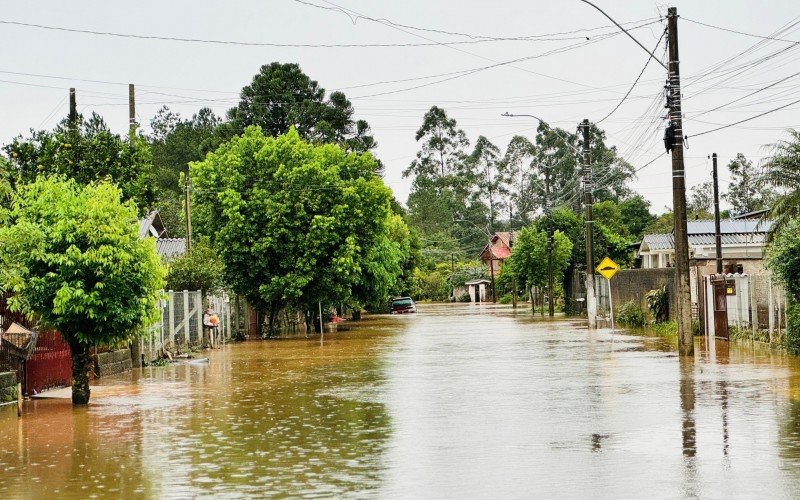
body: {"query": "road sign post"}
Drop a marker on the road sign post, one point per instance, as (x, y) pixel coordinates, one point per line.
(608, 268)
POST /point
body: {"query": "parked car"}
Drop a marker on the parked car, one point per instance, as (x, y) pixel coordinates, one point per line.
(403, 305)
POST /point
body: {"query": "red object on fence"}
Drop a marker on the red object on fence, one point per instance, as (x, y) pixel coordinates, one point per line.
(51, 363)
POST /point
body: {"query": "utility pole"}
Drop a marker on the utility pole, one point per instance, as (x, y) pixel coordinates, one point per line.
(717, 231)
(549, 215)
(591, 300)
(73, 110)
(131, 110)
(683, 297)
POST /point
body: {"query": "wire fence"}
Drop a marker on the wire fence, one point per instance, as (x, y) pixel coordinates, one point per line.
(181, 328)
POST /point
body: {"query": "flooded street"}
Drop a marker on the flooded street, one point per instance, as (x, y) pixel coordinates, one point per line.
(455, 401)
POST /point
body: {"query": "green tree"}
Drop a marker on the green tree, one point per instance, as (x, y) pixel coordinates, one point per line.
(609, 214)
(636, 215)
(87, 152)
(784, 259)
(281, 96)
(441, 204)
(175, 142)
(781, 170)
(745, 192)
(199, 269)
(294, 223)
(518, 163)
(71, 255)
(492, 177)
(663, 224)
(528, 261)
(701, 200)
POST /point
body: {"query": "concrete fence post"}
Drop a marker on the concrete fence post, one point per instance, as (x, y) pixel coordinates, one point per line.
(172, 318)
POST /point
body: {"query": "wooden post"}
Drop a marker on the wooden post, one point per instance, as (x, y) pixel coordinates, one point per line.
(131, 111)
(591, 299)
(321, 329)
(19, 399)
(682, 295)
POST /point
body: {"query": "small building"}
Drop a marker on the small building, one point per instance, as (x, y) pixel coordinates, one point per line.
(478, 289)
(498, 250)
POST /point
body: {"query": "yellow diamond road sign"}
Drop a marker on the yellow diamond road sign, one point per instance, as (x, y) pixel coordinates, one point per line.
(608, 268)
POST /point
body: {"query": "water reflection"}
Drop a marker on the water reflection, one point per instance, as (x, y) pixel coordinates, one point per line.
(472, 401)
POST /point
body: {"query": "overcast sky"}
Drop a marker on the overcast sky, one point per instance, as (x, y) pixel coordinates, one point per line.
(582, 79)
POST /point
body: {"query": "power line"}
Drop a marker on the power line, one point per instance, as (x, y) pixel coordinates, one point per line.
(646, 63)
(746, 119)
(354, 17)
(729, 30)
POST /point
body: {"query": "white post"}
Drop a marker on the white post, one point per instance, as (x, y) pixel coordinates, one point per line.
(321, 330)
(771, 309)
(172, 318)
(186, 333)
(610, 307)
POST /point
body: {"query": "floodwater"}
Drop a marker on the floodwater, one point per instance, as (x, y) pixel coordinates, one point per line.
(457, 401)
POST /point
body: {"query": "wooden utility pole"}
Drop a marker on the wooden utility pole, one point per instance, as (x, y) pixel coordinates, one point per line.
(73, 110)
(591, 300)
(683, 295)
(549, 215)
(717, 231)
(131, 110)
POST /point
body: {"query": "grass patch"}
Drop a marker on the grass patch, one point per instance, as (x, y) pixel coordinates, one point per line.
(665, 329)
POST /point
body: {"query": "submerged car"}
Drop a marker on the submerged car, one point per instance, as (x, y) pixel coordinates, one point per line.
(403, 305)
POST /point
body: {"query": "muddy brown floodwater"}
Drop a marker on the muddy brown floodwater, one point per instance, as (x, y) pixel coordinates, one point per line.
(457, 401)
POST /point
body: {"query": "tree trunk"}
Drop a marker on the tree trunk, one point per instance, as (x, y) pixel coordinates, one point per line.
(81, 365)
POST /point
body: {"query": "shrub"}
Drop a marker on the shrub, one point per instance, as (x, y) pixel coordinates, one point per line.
(793, 328)
(658, 304)
(666, 328)
(631, 314)
(465, 298)
(506, 299)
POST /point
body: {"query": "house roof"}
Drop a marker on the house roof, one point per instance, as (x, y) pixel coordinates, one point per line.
(150, 224)
(658, 242)
(506, 237)
(653, 242)
(477, 281)
(728, 226)
(170, 247)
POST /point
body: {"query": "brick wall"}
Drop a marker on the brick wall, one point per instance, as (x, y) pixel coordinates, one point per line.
(111, 363)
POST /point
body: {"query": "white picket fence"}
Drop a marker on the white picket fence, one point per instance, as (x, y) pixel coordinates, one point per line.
(181, 324)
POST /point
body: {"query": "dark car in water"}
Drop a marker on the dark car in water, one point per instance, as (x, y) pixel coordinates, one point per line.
(403, 305)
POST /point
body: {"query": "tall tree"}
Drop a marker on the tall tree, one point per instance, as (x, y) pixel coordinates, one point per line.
(72, 257)
(176, 142)
(492, 183)
(87, 152)
(745, 192)
(442, 204)
(636, 215)
(521, 198)
(529, 257)
(281, 96)
(701, 200)
(296, 223)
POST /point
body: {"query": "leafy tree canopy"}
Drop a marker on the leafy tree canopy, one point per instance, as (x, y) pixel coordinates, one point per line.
(745, 192)
(87, 153)
(296, 223)
(72, 257)
(528, 259)
(636, 216)
(781, 170)
(281, 96)
(199, 269)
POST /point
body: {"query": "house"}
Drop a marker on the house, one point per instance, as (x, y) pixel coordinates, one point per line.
(498, 250)
(742, 246)
(167, 247)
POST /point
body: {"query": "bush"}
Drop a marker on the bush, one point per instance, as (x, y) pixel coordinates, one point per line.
(506, 299)
(793, 328)
(658, 304)
(465, 298)
(199, 269)
(666, 328)
(631, 314)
